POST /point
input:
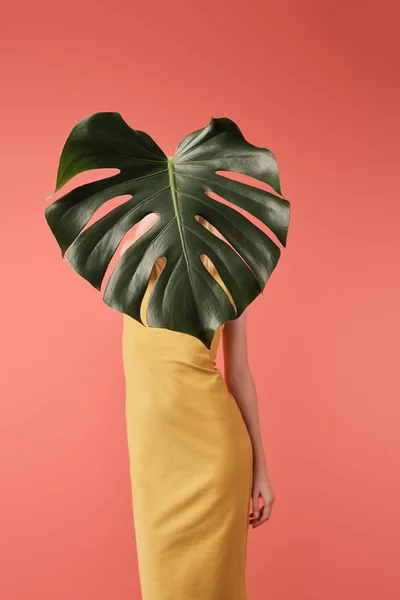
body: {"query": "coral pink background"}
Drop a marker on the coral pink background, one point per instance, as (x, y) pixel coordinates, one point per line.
(316, 82)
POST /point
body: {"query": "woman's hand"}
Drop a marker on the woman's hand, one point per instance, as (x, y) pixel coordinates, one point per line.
(261, 488)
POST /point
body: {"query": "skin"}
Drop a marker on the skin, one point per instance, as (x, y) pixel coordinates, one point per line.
(241, 385)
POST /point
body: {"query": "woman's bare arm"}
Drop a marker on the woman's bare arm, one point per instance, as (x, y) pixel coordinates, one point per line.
(240, 383)
(240, 380)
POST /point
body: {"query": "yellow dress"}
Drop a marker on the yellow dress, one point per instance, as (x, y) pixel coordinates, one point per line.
(190, 466)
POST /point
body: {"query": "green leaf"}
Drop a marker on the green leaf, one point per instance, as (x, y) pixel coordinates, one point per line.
(185, 297)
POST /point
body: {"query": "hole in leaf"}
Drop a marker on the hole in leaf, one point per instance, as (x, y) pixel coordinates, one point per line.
(209, 265)
(144, 225)
(248, 180)
(246, 214)
(216, 232)
(155, 274)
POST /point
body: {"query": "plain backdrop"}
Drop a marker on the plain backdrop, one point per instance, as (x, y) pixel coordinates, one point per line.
(317, 83)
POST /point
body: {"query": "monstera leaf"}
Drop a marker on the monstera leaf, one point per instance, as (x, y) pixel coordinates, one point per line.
(185, 297)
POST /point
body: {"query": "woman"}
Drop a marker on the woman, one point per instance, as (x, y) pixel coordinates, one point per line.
(196, 455)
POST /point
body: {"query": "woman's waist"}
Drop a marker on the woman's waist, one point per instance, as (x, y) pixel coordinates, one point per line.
(166, 348)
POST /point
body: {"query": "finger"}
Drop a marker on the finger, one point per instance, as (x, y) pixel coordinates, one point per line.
(255, 506)
(255, 516)
(268, 501)
(255, 521)
(264, 516)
